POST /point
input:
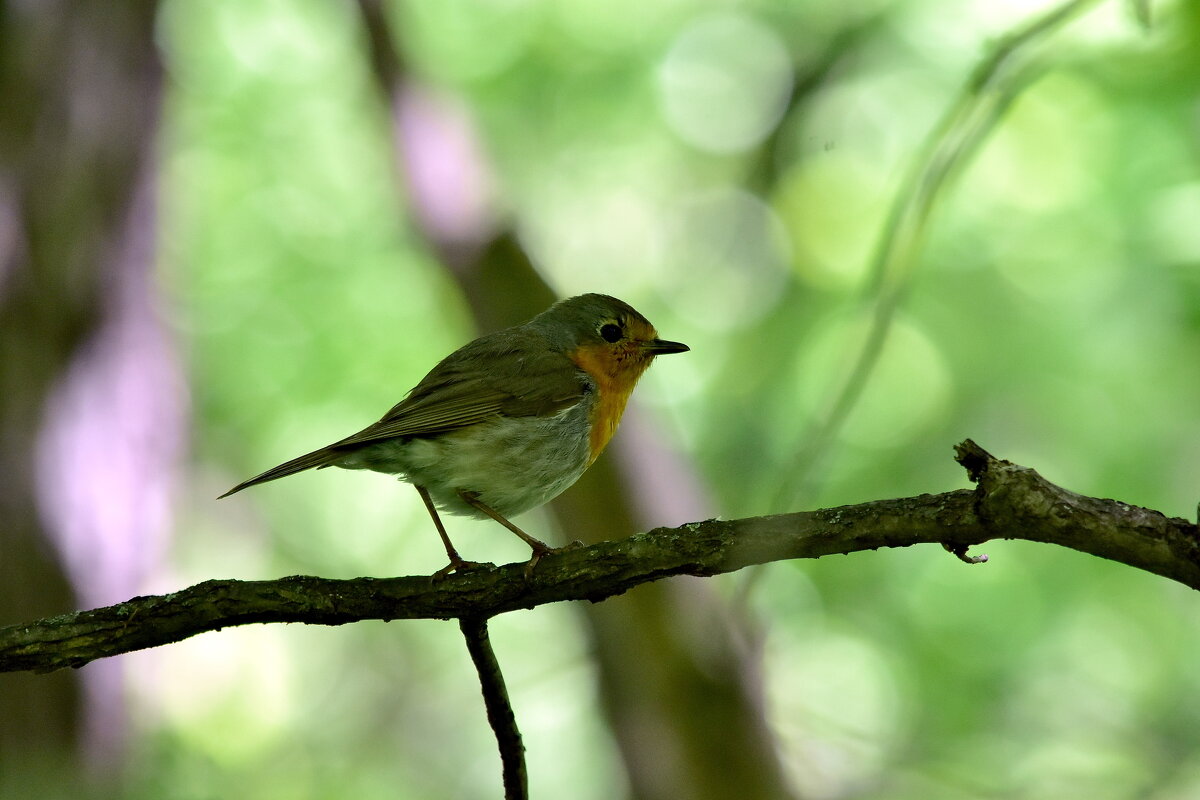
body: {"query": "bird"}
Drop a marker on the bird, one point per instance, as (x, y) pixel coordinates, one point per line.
(508, 421)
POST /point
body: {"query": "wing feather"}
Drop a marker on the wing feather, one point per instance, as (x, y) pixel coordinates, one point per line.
(467, 388)
(512, 373)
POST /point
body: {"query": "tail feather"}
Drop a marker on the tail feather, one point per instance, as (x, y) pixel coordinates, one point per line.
(317, 458)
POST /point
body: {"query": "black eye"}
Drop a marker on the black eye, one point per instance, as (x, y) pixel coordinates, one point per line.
(610, 332)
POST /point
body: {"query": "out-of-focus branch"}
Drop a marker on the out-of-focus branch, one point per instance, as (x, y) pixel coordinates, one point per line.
(1009, 502)
(997, 80)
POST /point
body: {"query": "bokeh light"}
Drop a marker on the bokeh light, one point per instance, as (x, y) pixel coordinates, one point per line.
(729, 169)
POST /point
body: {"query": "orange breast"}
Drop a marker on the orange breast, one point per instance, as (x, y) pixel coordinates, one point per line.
(615, 372)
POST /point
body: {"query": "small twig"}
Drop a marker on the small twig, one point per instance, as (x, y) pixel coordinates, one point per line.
(499, 709)
(960, 552)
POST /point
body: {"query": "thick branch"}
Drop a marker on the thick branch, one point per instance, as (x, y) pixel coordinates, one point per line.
(1009, 502)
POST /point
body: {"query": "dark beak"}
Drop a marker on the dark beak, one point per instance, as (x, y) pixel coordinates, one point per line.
(661, 347)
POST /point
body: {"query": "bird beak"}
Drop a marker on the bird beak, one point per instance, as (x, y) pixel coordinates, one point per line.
(661, 347)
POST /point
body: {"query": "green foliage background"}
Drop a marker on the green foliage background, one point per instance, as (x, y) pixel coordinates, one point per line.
(1054, 316)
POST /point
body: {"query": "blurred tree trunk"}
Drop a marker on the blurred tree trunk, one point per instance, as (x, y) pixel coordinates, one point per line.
(80, 84)
(682, 698)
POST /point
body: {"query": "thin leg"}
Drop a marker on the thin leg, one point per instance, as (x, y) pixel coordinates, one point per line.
(540, 548)
(456, 561)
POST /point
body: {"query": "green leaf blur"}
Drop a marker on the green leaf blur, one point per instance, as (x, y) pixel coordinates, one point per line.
(727, 169)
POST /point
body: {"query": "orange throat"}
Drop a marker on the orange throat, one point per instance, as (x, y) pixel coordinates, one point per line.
(615, 376)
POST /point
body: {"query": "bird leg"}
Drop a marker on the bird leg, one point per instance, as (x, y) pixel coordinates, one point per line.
(539, 547)
(457, 562)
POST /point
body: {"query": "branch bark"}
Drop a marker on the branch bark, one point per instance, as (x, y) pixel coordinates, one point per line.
(499, 708)
(1009, 502)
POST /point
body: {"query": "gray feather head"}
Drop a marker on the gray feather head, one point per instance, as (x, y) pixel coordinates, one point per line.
(582, 319)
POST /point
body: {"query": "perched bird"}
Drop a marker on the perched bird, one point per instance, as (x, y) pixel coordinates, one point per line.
(508, 421)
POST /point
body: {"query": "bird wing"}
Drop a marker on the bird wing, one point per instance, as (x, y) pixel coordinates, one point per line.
(513, 375)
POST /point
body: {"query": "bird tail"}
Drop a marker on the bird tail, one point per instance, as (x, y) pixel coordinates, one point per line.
(317, 458)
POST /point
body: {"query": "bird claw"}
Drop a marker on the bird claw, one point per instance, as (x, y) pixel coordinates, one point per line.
(532, 562)
(548, 551)
(459, 566)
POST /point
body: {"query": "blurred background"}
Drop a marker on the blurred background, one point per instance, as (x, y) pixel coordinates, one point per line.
(231, 232)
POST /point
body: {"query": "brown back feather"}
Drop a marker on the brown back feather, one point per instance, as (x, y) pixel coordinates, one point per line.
(465, 388)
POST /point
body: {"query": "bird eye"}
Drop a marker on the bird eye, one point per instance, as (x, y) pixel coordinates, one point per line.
(610, 332)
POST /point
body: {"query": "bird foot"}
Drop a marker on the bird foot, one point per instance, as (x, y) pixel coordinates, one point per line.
(459, 566)
(547, 550)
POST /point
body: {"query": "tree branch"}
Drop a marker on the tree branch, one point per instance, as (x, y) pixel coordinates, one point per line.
(1009, 502)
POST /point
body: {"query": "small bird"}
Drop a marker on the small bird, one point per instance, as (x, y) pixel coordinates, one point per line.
(507, 422)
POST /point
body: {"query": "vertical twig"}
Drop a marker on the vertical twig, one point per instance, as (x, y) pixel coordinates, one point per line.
(499, 709)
